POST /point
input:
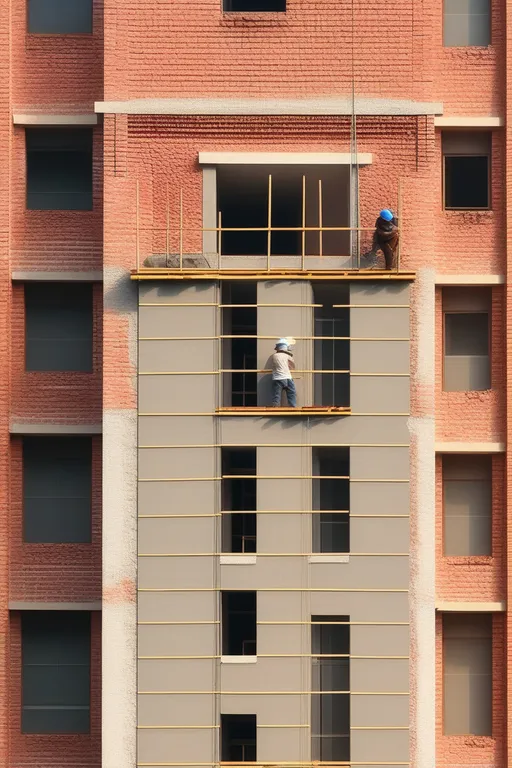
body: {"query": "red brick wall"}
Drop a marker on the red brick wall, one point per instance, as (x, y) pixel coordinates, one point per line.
(55, 396)
(53, 572)
(474, 750)
(53, 750)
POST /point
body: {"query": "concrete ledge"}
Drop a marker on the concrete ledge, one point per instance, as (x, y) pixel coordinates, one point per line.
(484, 121)
(238, 659)
(238, 559)
(329, 559)
(283, 158)
(468, 606)
(470, 279)
(40, 119)
(58, 277)
(321, 106)
(470, 447)
(21, 605)
(20, 428)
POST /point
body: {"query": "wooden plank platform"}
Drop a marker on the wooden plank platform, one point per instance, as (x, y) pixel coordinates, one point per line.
(273, 274)
(268, 410)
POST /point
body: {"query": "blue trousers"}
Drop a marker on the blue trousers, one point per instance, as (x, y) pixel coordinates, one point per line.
(291, 394)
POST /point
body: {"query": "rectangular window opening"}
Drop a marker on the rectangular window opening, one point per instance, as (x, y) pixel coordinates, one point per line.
(239, 499)
(59, 169)
(467, 23)
(330, 700)
(58, 327)
(59, 17)
(238, 738)
(56, 671)
(243, 200)
(467, 170)
(239, 354)
(467, 674)
(467, 362)
(331, 353)
(238, 623)
(331, 492)
(467, 497)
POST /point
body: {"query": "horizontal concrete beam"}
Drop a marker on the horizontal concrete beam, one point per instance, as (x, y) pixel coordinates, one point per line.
(468, 606)
(22, 605)
(470, 279)
(470, 447)
(485, 121)
(320, 106)
(58, 277)
(283, 158)
(40, 119)
(20, 428)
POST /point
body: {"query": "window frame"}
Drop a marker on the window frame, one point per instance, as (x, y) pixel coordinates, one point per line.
(443, 507)
(29, 33)
(489, 179)
(489, 341)
(489, 44)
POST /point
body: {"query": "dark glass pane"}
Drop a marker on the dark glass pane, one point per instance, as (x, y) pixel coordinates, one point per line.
(466, 182)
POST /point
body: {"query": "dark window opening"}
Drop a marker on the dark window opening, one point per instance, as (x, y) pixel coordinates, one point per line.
(57, 479)
(238, 738)
(56, 671)
(467, 347)
(239, 355)
(59, 17)
(330, 700)
(331, 491)
(243, 200)
(58, 327)
(239, 623)
(467, 23)
(239, 499)
(466, 182)
(331, 353)
(466, 333)
(257, 6)
(467, 498)
(59, 169)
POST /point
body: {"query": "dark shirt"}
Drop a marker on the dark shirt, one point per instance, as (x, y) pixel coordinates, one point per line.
(386, 226)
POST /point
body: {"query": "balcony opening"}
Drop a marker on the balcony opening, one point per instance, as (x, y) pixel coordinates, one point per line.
(331, 491)
(238, 500)
(239, 354)
(238, 623)
(238, 738)
(330, 700)
(243, 199)
(331, 352)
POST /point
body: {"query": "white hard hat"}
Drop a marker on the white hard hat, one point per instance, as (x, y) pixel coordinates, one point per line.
(282, 343)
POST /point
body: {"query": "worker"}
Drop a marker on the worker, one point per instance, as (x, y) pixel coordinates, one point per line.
(282, 365)
(386, 236)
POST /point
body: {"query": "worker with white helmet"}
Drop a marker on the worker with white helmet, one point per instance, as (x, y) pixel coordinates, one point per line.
(282, 366)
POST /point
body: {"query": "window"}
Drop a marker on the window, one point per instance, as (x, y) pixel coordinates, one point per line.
(467, 492)
(331, 492)
(239, 354)
(239, 623)
(330, 711)
(331, 352)
(467, 22)
(238, 495)
(467, 673)
(467, 170)
(59, 17)
(467, 364)
(243, 201)
(238, 738)
(254, 5)
(56, 671)
(59, 169)
(58, 327)
(57, 477)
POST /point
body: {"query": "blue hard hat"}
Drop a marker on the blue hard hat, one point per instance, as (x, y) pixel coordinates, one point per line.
(386, 214)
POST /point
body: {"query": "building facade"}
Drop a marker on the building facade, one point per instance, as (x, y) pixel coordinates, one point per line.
(189, 576)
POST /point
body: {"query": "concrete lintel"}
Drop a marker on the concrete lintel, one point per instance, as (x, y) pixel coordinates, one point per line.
(58, 277)
(483, 121)
(238, 559)
(238, 659)
(468, 606)
(41, 119)
(20, 428)
(232, 106)
(470, 447)
(22, 605)
(470, 279)
(283, 158)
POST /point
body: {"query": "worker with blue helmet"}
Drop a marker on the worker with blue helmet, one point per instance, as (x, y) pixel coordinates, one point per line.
(385, 237)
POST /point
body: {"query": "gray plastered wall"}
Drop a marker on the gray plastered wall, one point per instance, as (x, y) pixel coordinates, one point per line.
(178, 602)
